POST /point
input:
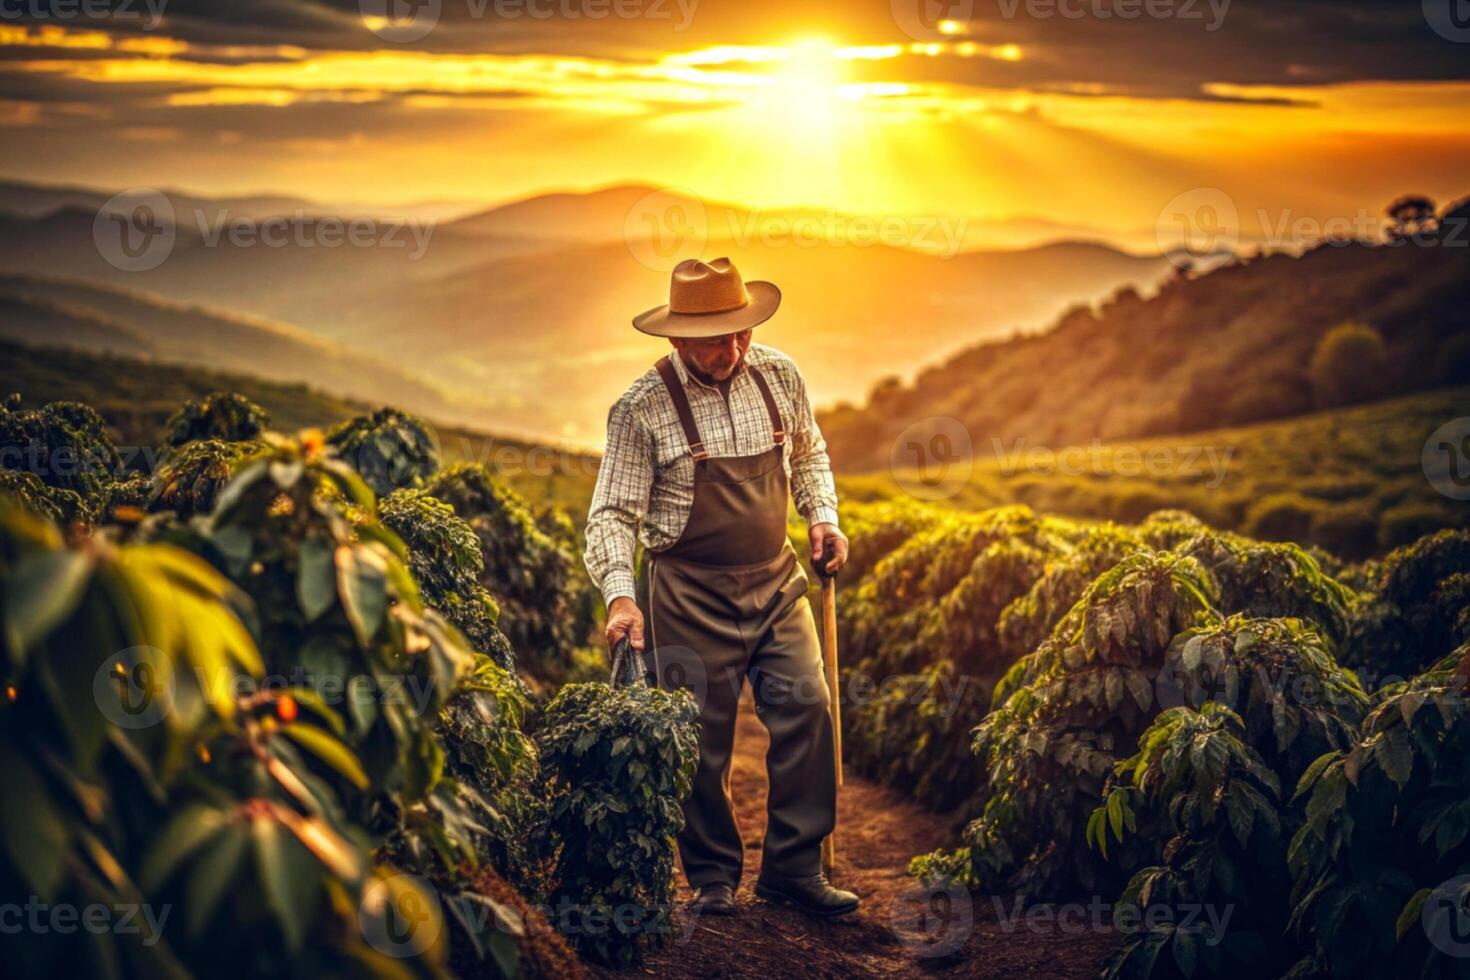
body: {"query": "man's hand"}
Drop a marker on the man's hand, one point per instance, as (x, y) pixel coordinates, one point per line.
(820, 535)
(624, 618)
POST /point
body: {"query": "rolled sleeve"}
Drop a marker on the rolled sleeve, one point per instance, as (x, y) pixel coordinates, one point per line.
(619, 503)
(812, 488)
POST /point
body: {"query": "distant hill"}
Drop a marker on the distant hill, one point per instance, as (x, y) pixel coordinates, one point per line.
(552, 333)
(1231, 347)
(56, 311)
(34, 200)
(136, 397)
(524, 310)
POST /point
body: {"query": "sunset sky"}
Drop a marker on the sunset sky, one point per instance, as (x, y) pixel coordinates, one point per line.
(1069, 110)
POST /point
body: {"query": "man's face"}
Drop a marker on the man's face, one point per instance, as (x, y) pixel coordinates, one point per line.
(714, 357)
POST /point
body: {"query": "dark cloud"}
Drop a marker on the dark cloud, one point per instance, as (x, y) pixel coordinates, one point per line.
(1069, 45)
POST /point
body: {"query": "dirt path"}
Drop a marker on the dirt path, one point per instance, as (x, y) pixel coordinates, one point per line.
(901, 930)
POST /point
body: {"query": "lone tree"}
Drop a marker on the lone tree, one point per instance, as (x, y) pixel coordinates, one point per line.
(1411, 215)
(1348, 365)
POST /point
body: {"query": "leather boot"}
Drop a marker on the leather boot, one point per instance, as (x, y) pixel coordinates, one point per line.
(716, 899)
(812, 895)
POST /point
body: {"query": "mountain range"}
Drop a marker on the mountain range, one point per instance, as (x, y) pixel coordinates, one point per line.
(520, 314)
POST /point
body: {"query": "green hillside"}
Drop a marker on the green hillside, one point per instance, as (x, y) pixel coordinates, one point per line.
(137, 396)
(1349, 480)
(68, 312)
(1248, 342)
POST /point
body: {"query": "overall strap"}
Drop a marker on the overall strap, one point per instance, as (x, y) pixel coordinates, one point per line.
(777, 426)
(665, 368)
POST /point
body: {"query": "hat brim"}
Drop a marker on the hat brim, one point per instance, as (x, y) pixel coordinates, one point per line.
(660, 322)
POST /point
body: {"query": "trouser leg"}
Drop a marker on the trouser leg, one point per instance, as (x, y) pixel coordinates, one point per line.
(698, 646)
(792, 702)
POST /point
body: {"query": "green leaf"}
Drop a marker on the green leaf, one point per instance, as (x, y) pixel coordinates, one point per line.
(1396, 755)
(40, 592)
(283, 875)
(1186, 951)
(1409, 917)
(191, 829)
(316, 584)
(36, 835)
(326, 748)
(212, 875)
(362, 578)
(1115, 813)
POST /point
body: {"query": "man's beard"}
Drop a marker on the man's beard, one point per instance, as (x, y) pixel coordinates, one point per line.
(710, 378)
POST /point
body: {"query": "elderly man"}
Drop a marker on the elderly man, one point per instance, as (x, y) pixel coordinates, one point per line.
(700, 453)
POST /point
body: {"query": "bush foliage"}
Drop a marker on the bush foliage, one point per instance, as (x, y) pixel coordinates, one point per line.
(338, 740)
(616, 762)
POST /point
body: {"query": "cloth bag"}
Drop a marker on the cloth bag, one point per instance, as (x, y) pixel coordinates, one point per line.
(628, 668)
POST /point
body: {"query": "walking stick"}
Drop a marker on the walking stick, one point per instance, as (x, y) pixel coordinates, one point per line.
(829, 662)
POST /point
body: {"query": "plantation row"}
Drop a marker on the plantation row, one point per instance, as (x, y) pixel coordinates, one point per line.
(1168, 716)
(286, 695)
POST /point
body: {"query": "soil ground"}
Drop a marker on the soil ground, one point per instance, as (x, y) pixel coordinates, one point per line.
(902, 930)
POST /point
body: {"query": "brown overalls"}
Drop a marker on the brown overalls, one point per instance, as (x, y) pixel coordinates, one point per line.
(727, 601)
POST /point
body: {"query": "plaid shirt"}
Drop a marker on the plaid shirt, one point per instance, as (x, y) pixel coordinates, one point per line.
(645, 486)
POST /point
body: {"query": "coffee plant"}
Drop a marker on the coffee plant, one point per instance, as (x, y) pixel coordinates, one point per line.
(390, 449)
(1063, 718)
(1258, 701)
(139, 777)
(29, 491)
(64, 449)
(1419, 609)
(534, 575)
(616, 765)
(221, 416)
(445, 558)
(1216, 804)
(1380, 863)
(191, 477)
